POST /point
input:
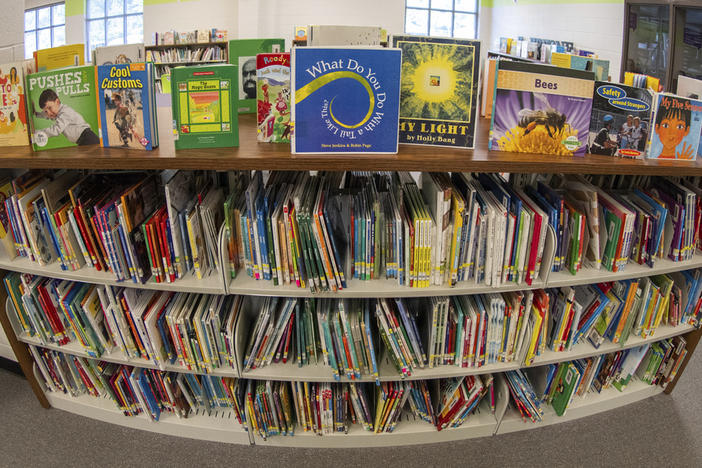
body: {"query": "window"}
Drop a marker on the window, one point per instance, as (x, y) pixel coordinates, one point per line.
(113, 22)
(445, 18)
(44, 28)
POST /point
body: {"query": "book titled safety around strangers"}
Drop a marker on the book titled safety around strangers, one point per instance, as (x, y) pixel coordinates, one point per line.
(345, 100)
(439, 90)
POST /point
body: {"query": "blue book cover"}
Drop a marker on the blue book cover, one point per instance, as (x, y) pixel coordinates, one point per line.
(345, 100)
(125, 97)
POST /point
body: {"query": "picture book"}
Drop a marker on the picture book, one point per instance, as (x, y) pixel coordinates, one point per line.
(541, 109)
(621, 120)
(59, 57)
(690, 88)
(13, 105)
(62, 107)
(345, 100)
(242, 53)
(127, 106)
(438, 90)
(677, 124)
(324, 35)
(204, 106)
(273, 91)
(112, 55)
(300, 34)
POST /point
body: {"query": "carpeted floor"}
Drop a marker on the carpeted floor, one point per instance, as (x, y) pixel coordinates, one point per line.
(662, 430)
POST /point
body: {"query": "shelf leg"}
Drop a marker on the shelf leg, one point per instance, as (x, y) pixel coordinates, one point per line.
(21, 351)
(691, 339)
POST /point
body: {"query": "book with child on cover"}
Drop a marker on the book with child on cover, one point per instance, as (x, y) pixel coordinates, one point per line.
(676, 123)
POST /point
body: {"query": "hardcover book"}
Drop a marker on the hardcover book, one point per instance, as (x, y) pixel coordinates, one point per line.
(113, 55)
(242, 53)
(324, 35)
(59, 57)
(438, 90)
(677, 124)
(13, 105)
(204, 106)
(273, 91)
(690, 88)
(621, 120)
(541, 109)
(127, 106)
(345, 100)
(62, 108)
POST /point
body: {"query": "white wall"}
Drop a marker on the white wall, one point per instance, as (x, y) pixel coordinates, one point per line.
(11, 31)
(191, 15)
(591, 26)
(278, 18)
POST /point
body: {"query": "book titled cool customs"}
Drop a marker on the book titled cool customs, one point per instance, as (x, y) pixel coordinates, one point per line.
(345, 100)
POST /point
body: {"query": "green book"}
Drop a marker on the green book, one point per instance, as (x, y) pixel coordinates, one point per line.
(63, 108)
(242, 53)
(564, 388)
(204, 103)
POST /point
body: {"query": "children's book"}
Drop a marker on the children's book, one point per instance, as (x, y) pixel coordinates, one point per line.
(541, 109)
(113, 55)
(621, 120)
(204, 106)
(324, 35)
(13, 105)
(62, 107)
(59, 57)
(127, 107)
(345, 100)
(242, 53)
(273, 91)
(690, 88)
(677, 123)
(438, 90)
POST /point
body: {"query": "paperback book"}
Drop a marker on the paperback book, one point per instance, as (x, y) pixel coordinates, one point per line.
(676, 128)
(204, 106)
(13, 107)
(345, 100)
(438, 90)
(242, 53)
(59, 57)
(127, 106)
(273, 91)
(690, 88)
(621, 120)
(63, 108)
(541, 109)
(113, 55)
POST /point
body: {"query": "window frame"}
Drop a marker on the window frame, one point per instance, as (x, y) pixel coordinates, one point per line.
(50, 27)
(453, 12)
(124, 15)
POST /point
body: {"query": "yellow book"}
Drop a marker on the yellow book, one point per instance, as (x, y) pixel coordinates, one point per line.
(458, 209)
(533, 341)
(560, 59)
(59, 57)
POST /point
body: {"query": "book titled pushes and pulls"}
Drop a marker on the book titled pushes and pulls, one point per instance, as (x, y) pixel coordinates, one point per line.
(345, 100)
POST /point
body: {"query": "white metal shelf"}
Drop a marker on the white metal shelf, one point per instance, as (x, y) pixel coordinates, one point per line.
(589, 404)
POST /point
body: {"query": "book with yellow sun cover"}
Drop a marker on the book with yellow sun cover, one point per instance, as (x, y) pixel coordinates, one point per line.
(438, 90)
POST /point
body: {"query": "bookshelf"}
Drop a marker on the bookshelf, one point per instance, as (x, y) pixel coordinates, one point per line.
(153, 51)
(222, 426)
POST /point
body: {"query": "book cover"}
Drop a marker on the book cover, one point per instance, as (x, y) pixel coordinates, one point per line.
(59, 57)
(273, 95)
(63, 108)
(345, 100)
(620, 122)
(690, 88)
(13, 106)
(677, 124)
(324, 35)
(438, 90)
(204, 106)
(112, 55)
(541, 109)
(125, 96)
(242, 53)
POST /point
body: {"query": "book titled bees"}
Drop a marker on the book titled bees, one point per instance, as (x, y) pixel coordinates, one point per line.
(345, 100)
(204, 106)
(541, 109)
(438, 91)
(127, 106)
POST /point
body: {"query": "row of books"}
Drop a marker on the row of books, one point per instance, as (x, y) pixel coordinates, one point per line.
(189, 37)
(204, 333)
(200, 54)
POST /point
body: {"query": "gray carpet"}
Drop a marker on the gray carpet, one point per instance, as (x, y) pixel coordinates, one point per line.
(662, 430)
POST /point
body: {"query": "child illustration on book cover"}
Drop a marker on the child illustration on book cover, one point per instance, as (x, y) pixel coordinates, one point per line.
(13, 121)
(676, 129)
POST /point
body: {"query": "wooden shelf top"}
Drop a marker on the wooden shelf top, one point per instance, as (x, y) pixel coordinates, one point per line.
(253, 155)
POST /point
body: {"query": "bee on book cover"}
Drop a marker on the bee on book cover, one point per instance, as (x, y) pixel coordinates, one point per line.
(438, 91)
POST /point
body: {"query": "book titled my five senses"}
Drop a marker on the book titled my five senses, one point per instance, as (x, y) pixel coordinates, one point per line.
(541, 109)
(438, 91)
(620, 121)
(204, 106)
(345, 100)
(127, 107)
(62, 108)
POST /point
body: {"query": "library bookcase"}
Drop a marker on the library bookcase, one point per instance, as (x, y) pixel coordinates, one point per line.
(252, 155)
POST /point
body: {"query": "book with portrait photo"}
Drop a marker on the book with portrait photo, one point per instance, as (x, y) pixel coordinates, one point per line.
(242, 53)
